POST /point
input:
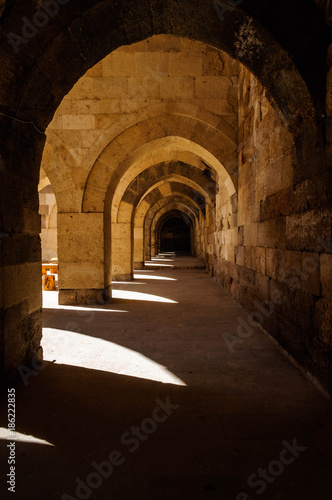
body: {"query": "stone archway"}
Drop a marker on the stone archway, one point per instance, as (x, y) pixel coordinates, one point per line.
(35, 80)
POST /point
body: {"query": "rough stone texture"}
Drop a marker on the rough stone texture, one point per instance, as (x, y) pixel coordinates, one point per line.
(129, 113)
(234, 410)
(285, 243)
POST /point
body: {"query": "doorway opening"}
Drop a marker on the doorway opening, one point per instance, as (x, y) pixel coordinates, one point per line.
(175, 236)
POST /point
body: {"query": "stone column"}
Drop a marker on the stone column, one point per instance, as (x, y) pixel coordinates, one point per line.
(20, 252)
(81, 259)
(138, 248)
(122, 251)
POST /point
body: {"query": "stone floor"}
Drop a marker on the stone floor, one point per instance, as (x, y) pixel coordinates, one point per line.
(149, 383)
(170, 260)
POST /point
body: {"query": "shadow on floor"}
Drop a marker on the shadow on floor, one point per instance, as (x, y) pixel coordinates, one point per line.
(207, 447)
(237, 411)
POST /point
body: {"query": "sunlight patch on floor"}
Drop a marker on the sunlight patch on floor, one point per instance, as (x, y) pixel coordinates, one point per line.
(158, 264)
(21, 438)
(144, 297)
(152, 277)
(76, 349)
(50, 301)
(127, 282)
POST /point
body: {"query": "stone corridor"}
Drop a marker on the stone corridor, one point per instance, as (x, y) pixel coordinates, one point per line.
(166, 169)
(233, 409)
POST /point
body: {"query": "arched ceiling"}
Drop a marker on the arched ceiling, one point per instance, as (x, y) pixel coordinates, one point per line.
(162, 175)
(173, 214)
(284, 38)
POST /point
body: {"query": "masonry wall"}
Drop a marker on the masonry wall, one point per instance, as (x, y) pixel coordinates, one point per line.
(49, 233)
(20, 277)
(281, 266)
(157, 88)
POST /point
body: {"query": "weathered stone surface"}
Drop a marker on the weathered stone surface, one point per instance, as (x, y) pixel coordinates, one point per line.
(277, 205)
(323, 321)
(305, 231)
(326, 275)
(160, 100)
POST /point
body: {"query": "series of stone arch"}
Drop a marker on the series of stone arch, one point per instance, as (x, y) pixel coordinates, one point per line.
(33, 83)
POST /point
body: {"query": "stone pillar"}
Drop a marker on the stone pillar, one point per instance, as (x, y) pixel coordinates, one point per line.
(122, 251)
(20, 252)
(81, 259)
(147, 242)
(138, 248)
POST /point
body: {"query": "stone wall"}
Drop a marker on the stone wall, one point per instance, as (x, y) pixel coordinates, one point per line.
(140, 107)
(35, 79)
(49, 234)
(277, 262)
(20, 296)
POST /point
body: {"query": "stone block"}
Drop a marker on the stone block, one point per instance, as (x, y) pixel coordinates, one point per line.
(78, 122)
(239, 255)
(279, 175)
(310, 277)
(153, 64)
(284, 266)
(326, 275)
(77, 275)
(275, 263)
(119, 64)
(176, 87)
(67, 297)
(258, 258)
(216, 63)
(220, 106)
(260, 189)
(22, 283)
(110, 87)
(83, 89)
(16, 341)
(313, 194)
(247, 257)
(104, 121)
(323, 320)
(210, 87)
(247, 277)
(272, 233)
(143, 87)
(241, 235)
(246, 172)
(20, 248)
(262, 286)
(277, 205)
(185, 64)
(309, 231)
(80, 238)
(250, 235)
(121, 231)
(31, 221)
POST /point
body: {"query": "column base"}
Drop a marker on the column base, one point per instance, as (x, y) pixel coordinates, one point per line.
(86, 296)
(123, 277)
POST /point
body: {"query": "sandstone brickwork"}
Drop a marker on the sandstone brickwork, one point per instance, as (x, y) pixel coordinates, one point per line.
(127, 112)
